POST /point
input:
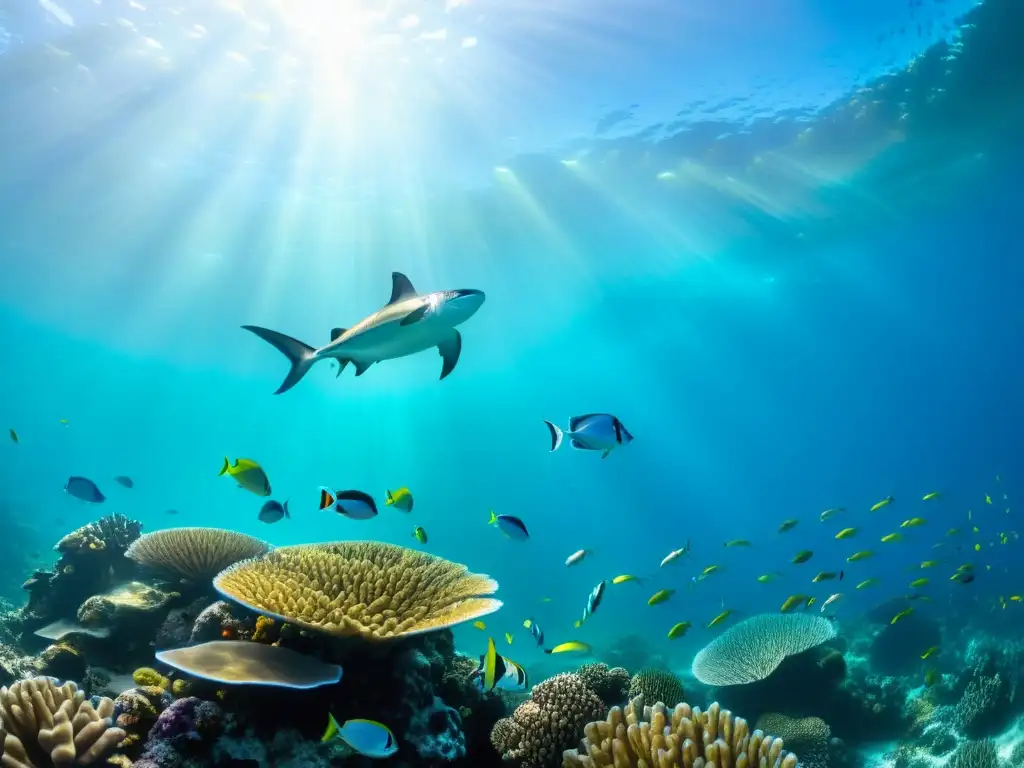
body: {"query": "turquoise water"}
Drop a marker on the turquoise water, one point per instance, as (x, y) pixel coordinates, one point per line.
(780, 253)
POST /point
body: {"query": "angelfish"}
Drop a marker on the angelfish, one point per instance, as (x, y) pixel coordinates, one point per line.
(591, 432)
(497, 672)
(409, 323)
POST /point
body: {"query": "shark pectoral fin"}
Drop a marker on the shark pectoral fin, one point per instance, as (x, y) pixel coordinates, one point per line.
(415, 316)
(341, 367)
(361, 367)
(401, 288)
(606, 452)
(336, 332)
(450, 349)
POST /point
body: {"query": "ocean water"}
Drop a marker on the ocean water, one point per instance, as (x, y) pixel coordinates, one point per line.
(780, 243)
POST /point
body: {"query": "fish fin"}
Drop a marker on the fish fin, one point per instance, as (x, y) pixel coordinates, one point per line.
(450, 349)
(575, 421)
(606, 452)
(225, 469)
(490, 666)
(415, 316)
(556, 435)
(336, 332)
(494, 518)
(332, 729)
(341, 366)
(580, 445)
(362, 367)
(300, 355)
(401, 288)
(390, 499)
(326, 498)
(286, 512)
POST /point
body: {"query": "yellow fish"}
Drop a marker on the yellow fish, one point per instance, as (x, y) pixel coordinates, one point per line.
(930, 496)
(824, 576)
(862, 555)
(248, 474)
(918, 583)
(902, 615)
(64, 422)
(573, 646)
(889, 538)
(1015, 598)
(867, 583)
(545, 599)
(953, 532)
(913, 522)
(661, 596)
(965, 567)
(930, 652)
(802, 556)
(679, 630)
(788, 525)
(624, 578)
(793, 601)
(709, 570)
(929, 563)
(883, 503)
(846, 533)
(508, 638)
(719, 619)
(810, 601)
(480, 625)
(400, 499)
(988, 499)
(766, 578)
(420, 534)
(738, 543)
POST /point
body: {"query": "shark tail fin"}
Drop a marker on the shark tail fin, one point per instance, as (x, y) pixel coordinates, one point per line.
(300, 355)
(556, 435)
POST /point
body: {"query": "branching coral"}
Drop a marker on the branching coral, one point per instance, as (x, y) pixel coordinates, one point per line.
(197, 554)
(979, 710)
(549, 723)
(751, 650)
(612, 685)
(656, 685)
(54, 726)
(975, 754)
(683, 737)
(807, 736)
(368, 589)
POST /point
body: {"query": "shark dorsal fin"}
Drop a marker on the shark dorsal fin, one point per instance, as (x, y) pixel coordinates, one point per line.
(336, 332)
(401, 288)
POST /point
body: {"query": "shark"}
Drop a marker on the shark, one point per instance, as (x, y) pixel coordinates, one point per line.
(410, 322)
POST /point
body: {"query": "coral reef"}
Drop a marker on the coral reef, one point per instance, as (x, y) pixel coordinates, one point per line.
(136, 711)
(975, 754)
(389, 591)
(186, 728)
(806, 736)
(656, 685)
(612, 685)
(682, 737)
(196, 554)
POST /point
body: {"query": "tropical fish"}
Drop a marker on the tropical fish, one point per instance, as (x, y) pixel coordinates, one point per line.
(867, 583)
(400, 499)
(248, 474)
(827, 576)
(626, 577)
(535, 630)
(810, 601)
(593, 601)
(479, 625)
(660, 596)
(512, 527)
(420, 534)
(788, 525)
(407, 324)
(592, 432)
(802, 556)
(962, 577)
(988, 499)
(737, 543)
(678, 630)
(498, 672)
(125, 481)
(83, 488)
(573, 646)
(902, 615)
(953, 532)
(793, 601)
(918, 583)
(831, 600)
(830, 513)
(846, 533)
(577, 557)
(710, 570)
(64, 422)
(862, 555)
(354, 505)
(930, 496)
(367, 737)
(929, 563)
(719, 618)
(272, 511)
(883, 503)
(508, 638)
(891, 538)
(930, 652)
(675, 554)
(913, 522)
(13, 434)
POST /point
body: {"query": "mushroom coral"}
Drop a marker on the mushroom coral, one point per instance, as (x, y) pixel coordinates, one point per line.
(197, 554)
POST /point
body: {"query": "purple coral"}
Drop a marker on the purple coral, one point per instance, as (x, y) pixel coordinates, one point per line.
(182, 728)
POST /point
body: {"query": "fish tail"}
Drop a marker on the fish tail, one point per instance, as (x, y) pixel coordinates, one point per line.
(286, 512)
(332, 728)
(300, 355)
(556, 435)
(226, 468)
(494, 518)
(326, 499)
(389, 500)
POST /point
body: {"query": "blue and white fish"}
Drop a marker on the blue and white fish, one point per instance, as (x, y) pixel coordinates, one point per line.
(592, 432)
(596, 594)
(85, 489)
(498, 673)
(354, 505)
(367, 737)
(535, 630)
(511, 526)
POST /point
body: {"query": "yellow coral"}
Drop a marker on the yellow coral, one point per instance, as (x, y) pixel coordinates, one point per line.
(684, 737)
(264, 625)
(147, 676)
(181, 688)
(368, 589)
(198, 554)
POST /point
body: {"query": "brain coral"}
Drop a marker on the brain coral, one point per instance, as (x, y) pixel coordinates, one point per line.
(751, 650)
(656, 685)
(47, 725)
(612, 685)
(684, 737)
(367, 589)
(197, 554)
(551, 721)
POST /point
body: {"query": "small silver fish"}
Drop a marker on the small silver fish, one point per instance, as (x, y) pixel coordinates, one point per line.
(675, 554)
(577, 556)
(592, 432)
